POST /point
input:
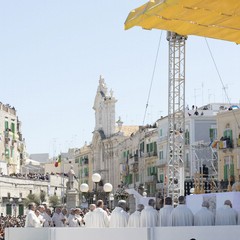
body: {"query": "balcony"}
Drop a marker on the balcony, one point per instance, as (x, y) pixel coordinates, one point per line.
(159, 186)
(151, 178)
(150, 154)
(133, 167)
(225, 143)
(133, 159)
(161, 162)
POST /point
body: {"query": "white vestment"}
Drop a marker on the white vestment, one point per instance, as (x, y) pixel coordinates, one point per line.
(32, 220)
(72, 221)
(119, 218)
(88, 219)
(100, 218)
(149, 217)
(58, 219)
(134, 219)
(226, 216)
(204, 217)
(47, 220)
(181, 216)
(164, 217)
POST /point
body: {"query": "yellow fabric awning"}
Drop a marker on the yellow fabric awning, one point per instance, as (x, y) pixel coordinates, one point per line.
(219, 19)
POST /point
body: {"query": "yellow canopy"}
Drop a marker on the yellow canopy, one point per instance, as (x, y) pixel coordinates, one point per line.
(218, 19)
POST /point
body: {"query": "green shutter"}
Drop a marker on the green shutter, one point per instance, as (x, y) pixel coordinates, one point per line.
(211, 134)
(9, 209)
(20, 209)
(161, 178)
(13, 127)
(232, 170)
(225, 172)
(6, 125)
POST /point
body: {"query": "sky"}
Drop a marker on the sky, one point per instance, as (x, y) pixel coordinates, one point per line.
(52, 53)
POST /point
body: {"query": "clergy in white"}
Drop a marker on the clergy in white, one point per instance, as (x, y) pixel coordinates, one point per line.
(134, 219)
(181, 215)
(149, 215)
(226, 215)
(164, 217)
(32, 220)
(119, 217)
(88, 217)
(100, 217)
(204, 217)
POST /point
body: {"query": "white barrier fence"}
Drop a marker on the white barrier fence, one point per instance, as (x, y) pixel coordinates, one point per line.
(158, 233)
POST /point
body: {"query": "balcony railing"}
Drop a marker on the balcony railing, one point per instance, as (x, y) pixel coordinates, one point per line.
(161, 162)
(151, 178)
(150, 154)
(133, 159)
(225, 143)
(159, 186)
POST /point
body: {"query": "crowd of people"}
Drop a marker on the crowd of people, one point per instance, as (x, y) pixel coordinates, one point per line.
(99, 216)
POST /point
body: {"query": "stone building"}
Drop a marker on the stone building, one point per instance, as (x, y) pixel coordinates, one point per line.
(12, 144)
(228, 144)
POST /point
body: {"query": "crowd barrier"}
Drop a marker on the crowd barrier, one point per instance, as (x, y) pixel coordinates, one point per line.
(158, 233)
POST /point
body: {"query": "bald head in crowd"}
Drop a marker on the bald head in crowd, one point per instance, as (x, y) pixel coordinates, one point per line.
(92, 207)
(181, 200)
(122, 204)
(168, 201)
(228, 203)
(151, 202)
(140, 207)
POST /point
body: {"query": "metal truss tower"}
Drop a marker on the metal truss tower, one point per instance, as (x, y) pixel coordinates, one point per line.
(176, 115)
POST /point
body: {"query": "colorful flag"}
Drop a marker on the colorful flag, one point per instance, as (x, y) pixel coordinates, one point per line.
(58, 161)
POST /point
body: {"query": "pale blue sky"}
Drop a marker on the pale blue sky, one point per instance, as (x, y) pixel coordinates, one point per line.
(52, 53)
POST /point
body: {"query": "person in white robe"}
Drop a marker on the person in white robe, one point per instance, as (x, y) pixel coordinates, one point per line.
(48, 219)
(204, 217)
(32, 220)
(134, 218)
(88, 217)
(226, 215)
(164, 217)
(58, 218)
(181, 215)
(149, 215)
(41, 214)
(78, 216)
(72, 221)
(100, 217)
(119, 216)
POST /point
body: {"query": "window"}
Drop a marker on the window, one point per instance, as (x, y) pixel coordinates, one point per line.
(227, 133)
(161, 132)
(13, 127)
(213, 134)
(187, 137)
(142, 147)
(6, 125)
(161, 155)
(228, 168)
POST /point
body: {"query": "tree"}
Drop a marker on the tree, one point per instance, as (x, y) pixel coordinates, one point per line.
(31, 198)
(54, 201)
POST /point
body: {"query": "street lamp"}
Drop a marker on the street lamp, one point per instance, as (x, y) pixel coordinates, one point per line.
(107, 188)
(96, 178)
(111, 198)
(84, 189)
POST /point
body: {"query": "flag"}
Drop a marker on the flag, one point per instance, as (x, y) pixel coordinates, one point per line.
(58, 161)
